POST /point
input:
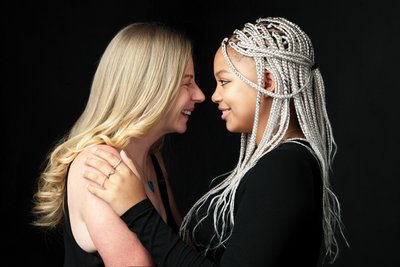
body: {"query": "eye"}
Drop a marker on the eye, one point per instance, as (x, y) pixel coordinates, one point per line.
(187, 85)
(223, 82)
(187, 81)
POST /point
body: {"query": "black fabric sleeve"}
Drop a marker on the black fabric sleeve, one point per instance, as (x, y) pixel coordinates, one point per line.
(274, 204)
(165, 246)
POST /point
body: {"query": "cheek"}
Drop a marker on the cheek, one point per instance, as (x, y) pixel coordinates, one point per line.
(175, 112)
(242, 118)
(183, 99)
(178, 105)
(247, 120)
(245, 114)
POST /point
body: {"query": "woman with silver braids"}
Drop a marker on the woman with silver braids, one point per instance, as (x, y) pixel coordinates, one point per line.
(276, 207)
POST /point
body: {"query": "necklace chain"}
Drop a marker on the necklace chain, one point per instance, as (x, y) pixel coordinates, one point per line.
(148, 181)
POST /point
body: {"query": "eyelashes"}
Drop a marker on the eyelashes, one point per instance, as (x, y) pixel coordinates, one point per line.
(223, 82)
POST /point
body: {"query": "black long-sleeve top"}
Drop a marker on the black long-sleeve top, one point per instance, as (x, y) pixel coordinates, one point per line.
(278, 218)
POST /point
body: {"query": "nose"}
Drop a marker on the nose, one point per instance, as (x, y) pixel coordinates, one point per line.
(216, 96)
(197, 95)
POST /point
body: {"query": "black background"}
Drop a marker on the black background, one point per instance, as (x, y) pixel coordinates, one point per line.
(49, 55)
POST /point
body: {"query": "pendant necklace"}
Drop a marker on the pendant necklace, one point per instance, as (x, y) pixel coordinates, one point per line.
(150, 184)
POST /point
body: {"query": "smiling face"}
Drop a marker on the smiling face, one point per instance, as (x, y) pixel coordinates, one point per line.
(235, 98)
(189, 95)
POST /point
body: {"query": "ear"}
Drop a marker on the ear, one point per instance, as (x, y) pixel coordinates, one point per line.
(269, 81)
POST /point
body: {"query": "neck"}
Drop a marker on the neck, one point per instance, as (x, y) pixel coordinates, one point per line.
(139, 147)
(138, 151)
(293, 131)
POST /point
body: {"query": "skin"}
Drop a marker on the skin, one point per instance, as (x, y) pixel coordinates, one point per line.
(95, 224)
(235, 99)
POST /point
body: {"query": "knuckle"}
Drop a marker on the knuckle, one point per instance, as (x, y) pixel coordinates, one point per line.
(106, 154)
(97, 163)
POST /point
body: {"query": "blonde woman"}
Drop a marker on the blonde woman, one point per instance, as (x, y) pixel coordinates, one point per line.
(144, 88)
(276, 207)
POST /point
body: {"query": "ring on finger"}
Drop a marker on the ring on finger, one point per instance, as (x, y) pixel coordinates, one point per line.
(111, 173)
(102, 184)
(116, 164)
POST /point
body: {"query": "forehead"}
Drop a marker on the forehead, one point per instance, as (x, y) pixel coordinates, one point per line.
(235, 57)
(190, 65)
(189, 72)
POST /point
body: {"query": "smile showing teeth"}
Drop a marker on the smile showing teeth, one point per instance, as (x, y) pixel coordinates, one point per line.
(186, 112)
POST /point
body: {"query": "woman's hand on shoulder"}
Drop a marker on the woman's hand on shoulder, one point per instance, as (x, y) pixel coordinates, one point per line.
(119, 185)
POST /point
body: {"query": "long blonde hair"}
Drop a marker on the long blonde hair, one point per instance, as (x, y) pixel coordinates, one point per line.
(135, 85)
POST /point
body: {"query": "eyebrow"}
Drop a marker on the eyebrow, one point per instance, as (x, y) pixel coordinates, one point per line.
(221, 72)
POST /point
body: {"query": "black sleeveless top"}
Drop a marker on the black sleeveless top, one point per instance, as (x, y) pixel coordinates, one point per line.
(164, 194)
(75, 256)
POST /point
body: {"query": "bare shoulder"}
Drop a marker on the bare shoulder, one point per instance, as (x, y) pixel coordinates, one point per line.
(79, 166)
(95, 225)
(76, 181)
(87, 152)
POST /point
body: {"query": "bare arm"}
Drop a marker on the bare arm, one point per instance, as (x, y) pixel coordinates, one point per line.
(95, 224)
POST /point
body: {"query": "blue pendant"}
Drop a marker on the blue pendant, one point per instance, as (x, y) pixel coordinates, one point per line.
(151, 186)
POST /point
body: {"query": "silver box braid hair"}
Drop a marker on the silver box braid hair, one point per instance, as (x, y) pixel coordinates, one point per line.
(282, 48)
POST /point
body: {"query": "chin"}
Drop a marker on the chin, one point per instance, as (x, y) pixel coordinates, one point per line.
(231, 129)
(181, 130)
(235, 129)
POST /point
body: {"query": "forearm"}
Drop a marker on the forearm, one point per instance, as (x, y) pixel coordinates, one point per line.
(165, 246)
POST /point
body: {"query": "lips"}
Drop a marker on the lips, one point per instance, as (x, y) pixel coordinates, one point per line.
(225, 112)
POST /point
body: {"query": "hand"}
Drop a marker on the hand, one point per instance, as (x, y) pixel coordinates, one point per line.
(120, 186)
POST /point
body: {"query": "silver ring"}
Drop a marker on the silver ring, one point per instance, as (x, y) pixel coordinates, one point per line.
(116, 165)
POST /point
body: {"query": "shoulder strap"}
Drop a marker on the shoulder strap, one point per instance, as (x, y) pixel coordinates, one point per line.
(164, 193)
